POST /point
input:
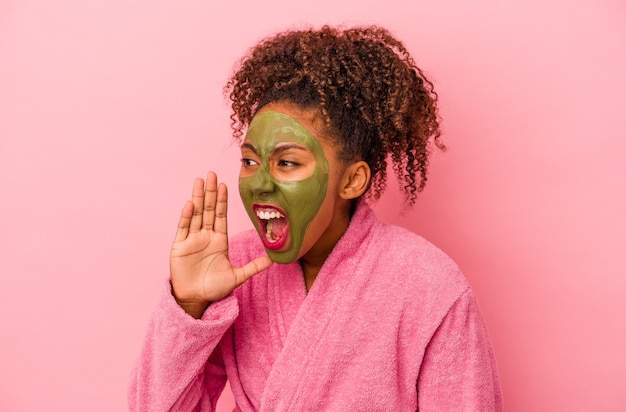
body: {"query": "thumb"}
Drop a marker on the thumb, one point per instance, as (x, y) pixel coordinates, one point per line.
(257, 265)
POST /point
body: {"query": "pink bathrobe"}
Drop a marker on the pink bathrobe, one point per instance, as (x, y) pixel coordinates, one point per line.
(390, 324)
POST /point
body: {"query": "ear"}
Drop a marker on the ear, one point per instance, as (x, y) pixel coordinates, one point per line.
(355, 180)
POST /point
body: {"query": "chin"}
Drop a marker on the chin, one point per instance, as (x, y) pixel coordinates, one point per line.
(284, 258)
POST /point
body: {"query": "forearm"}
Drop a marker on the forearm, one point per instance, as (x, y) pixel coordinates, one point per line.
(176, 365)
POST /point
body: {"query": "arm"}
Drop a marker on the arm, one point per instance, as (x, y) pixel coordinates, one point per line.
(179, 367)
(459, 371)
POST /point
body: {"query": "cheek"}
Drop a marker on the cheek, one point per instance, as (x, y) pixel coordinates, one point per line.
(244, 191)
(320, 223)
(304, 198)
(297, 192)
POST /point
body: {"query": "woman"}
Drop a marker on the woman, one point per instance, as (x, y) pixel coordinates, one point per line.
(323, 307)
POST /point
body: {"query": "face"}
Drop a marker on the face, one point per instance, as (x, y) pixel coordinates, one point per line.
(284, 182)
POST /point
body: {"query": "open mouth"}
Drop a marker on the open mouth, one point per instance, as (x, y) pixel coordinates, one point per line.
(273, 226)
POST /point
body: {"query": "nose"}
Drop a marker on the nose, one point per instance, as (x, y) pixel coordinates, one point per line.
(261, 182)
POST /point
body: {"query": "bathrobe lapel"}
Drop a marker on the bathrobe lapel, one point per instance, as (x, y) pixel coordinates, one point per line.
(285, 298)
(302, 323)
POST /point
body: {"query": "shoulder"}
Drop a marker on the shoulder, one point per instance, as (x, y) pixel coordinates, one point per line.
(418, 282)
(415, 271)
(423, 261)
(399, 255)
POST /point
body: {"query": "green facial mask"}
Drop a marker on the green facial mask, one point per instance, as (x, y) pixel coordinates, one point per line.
(299, 199)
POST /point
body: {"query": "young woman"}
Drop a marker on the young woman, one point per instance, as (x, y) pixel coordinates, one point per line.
(323, 307)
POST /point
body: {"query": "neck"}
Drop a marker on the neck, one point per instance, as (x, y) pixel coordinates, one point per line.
(314, 259)
(310, 274)
(312, 264)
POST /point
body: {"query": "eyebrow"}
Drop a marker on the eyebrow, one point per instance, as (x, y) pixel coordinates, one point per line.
(286, 147)
(277, 150)
(249, 146)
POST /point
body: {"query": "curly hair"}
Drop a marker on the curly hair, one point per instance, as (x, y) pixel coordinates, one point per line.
(374, 100)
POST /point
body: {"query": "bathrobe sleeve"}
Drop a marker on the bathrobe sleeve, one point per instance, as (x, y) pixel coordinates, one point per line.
(180, 366)
(459, 372)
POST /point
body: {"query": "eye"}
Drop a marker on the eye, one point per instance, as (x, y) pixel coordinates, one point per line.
(247, 162)
(287, 163)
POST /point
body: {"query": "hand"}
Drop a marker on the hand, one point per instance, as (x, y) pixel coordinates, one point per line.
(200, 268)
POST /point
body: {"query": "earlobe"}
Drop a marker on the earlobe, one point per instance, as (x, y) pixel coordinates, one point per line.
(356, 180)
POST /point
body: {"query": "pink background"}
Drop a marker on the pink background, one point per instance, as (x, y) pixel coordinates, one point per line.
(109, 109)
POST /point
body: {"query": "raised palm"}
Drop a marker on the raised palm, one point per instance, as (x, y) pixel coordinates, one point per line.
(200, 268)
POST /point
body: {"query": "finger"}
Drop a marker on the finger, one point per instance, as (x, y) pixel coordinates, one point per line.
(221, 209)
(197, 198)
(210, 196)
(183, 222)
(257, 265)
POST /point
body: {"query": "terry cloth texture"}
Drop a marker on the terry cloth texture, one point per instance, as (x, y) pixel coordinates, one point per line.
(390, 324)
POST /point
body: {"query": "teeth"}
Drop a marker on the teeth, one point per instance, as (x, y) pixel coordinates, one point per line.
(267, 215)
(268, 233)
